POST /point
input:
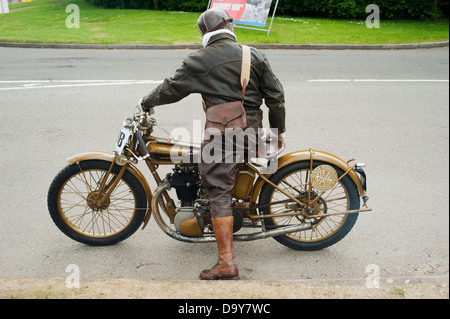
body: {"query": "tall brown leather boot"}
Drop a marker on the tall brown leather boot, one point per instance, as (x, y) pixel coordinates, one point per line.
(226, 267)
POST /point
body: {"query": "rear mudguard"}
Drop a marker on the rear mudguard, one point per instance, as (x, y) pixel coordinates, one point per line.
(306, 155)
(108, 157)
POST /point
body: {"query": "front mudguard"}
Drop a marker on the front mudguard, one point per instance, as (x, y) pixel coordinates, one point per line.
(108, 157)
(315, 155)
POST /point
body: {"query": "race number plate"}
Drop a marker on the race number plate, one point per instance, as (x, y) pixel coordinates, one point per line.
(124, 135)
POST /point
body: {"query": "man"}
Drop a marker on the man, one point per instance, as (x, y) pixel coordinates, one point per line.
(214, 72)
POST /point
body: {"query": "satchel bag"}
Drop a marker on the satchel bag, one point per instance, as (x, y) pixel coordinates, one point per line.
(221, 118)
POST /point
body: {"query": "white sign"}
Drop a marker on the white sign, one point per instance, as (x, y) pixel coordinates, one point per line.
(124, 135)
(4, 6)
(246, 12)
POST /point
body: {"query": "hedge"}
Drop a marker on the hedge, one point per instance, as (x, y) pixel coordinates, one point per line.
(354, 9)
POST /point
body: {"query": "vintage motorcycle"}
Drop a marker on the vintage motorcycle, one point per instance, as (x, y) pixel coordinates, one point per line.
(310, 202)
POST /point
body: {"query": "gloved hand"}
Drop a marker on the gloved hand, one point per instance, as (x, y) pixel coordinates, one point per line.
(144, 109)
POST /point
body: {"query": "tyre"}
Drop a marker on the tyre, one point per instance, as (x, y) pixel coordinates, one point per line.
(73, 206)
(326, 231)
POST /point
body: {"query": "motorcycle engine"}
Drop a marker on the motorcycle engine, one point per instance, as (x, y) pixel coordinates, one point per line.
(187, 223)
(194, 214)
(185, 179)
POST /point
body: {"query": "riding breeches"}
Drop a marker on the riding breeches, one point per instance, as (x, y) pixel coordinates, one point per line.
(221, 157)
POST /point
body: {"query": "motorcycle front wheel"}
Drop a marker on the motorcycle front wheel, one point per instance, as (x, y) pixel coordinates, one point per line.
(74, 208)
(326, 231)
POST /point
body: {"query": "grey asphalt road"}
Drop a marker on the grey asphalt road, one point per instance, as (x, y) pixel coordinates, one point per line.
(388, 109)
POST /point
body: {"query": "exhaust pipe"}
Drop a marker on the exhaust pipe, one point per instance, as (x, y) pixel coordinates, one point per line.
(282, 230)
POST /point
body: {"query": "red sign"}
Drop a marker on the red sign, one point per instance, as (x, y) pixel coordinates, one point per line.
(235, 8)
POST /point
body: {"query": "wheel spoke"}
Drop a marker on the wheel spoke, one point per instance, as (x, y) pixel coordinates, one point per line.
(297, 185)
(77, 202)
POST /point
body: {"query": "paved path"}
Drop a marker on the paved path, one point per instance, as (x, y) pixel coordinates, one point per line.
(386, 108)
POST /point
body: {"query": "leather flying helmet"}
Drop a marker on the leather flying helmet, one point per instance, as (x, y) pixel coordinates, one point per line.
(214, 19)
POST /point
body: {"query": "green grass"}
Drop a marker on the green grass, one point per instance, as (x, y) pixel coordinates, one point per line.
(44, 21)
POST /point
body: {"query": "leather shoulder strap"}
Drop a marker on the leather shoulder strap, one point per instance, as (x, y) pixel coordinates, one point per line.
(245, 70)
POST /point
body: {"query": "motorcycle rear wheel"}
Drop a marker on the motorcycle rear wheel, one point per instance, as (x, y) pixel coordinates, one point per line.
(72, 204)
(326, 231)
